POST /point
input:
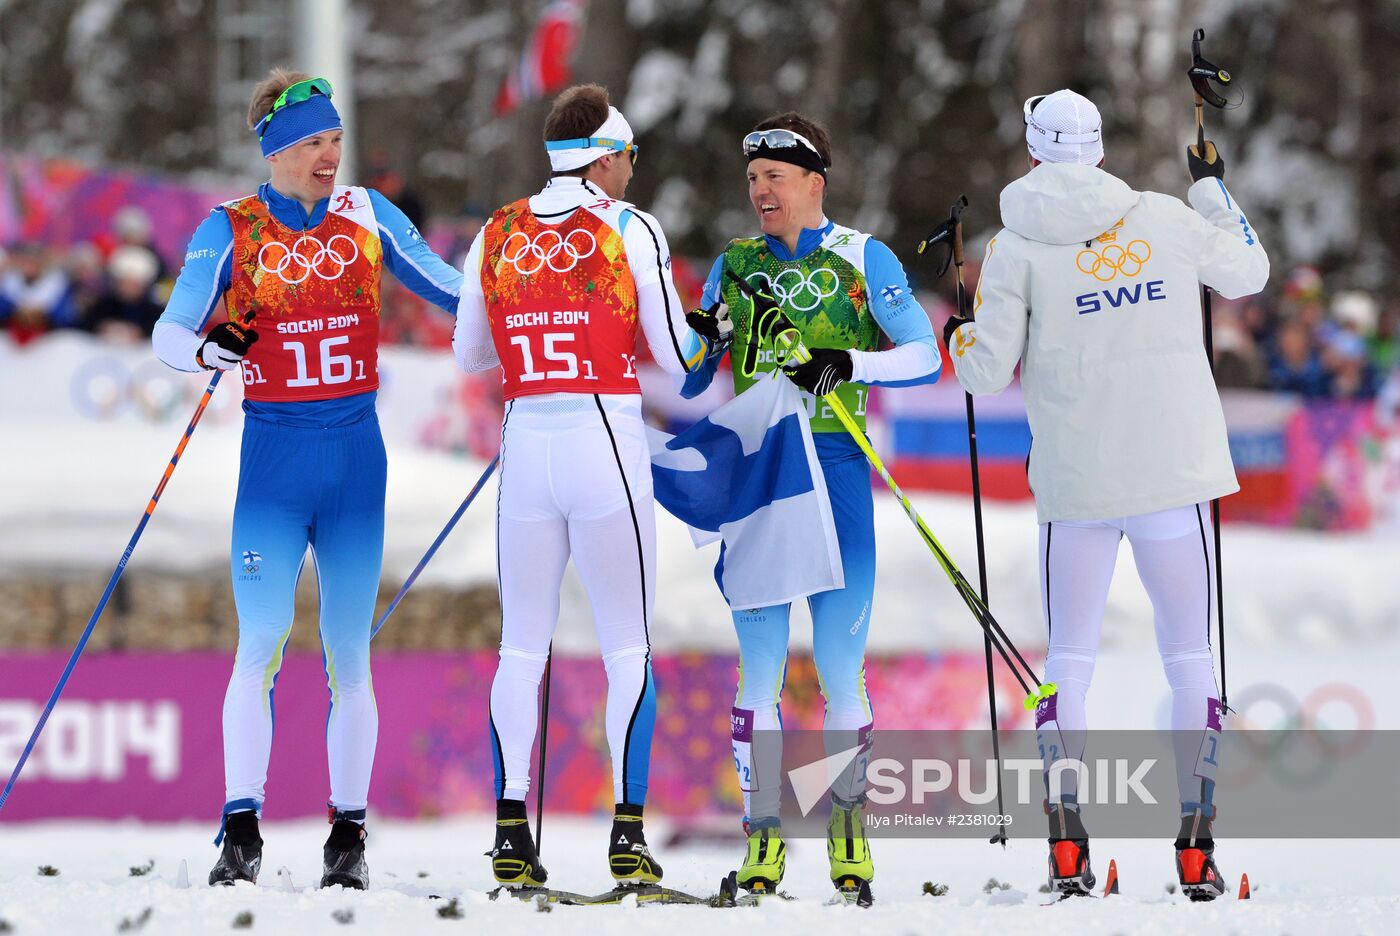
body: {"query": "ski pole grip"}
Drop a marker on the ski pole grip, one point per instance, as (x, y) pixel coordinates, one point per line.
(955, 215)
(1043, 691)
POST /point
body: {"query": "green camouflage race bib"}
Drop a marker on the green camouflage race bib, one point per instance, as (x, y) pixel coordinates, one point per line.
(823, 294)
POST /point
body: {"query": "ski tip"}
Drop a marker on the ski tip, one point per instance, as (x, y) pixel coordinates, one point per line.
(1244, 887)
(284, 880)
(182, 877)
(1111, 887)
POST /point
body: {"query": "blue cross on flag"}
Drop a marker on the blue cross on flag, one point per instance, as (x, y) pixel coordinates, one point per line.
(251, 556)
(748, 474)
(891, 293)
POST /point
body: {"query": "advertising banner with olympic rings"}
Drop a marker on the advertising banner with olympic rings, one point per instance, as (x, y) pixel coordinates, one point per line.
(137, 735)
(74, 379)
(1321, 466)
(1332, 466)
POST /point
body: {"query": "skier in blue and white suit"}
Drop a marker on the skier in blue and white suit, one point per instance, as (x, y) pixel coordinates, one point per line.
(300, 260)
(843, 290)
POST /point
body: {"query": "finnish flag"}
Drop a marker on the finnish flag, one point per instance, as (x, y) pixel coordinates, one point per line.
(748, 474)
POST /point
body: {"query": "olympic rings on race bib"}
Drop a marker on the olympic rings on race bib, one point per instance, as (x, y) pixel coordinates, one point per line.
(303, 262)
(1106, 264)
(540, 251)
(788, 285)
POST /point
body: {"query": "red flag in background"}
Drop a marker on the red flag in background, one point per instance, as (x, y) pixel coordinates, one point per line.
(544, 65)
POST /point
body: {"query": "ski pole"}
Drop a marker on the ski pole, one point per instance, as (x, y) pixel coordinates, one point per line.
(951, 232)
(795, 349)
(432, 550)
(111, 585)
(1202, 73)
(544, 745)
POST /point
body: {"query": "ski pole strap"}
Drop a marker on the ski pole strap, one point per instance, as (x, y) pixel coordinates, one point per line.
(231, 807)
(1045, 691)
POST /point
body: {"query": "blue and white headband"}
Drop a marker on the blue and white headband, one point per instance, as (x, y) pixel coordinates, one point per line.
(613, 136)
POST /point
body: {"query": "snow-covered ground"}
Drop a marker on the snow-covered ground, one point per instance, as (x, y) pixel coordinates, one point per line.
(1299, 887)
(1307, 612)
(72, 499)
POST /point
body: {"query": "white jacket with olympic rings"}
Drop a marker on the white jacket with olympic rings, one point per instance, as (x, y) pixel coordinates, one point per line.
(1095, 290)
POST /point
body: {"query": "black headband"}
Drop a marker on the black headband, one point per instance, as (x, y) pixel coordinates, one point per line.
(798, 155)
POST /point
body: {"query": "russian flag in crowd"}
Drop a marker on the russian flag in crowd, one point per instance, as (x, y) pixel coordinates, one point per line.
(544, 65)
(748, 474)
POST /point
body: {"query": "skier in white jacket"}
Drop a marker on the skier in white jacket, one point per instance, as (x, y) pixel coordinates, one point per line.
(1094, 289)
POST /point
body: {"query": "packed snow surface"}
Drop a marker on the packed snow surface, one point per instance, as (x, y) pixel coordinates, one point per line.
(1298, 887)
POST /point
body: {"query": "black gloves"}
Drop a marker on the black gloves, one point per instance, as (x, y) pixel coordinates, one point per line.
(1211, 165)
(950, 326)
(713, 325)
(827, 370)
(225, 346)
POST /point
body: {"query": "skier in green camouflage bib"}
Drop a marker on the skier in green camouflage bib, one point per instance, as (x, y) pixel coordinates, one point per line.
(822, 293)
(841, 289)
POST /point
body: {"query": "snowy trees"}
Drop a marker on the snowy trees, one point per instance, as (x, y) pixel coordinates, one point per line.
(923, 98)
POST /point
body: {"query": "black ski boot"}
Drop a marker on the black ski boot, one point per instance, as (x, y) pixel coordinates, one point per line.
(1195, 859)
(1070, 874)
(514, 861)
(345, 852)
(629, 859)
(241, 858)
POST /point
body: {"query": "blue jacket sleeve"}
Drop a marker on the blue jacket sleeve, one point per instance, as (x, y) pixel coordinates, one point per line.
(899, 314)
(206, 275)
(698, 380)
(410, 258)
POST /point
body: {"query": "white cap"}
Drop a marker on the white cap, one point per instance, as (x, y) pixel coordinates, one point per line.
(1064, 127)
(566, 159)
(133, 263)
(131, 223)
(1357, 309)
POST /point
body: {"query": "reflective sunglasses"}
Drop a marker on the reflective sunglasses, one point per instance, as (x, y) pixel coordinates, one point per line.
(294, 94)
(776, 139)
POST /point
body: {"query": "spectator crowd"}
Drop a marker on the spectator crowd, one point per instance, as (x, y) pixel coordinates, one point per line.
(1302, 341)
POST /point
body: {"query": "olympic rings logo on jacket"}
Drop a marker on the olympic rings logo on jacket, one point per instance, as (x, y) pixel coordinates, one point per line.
(810, 284)
(1106, 264)
(305, 263)
(542, 253)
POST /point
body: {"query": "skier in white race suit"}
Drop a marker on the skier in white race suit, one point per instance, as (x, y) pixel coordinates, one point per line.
(1094, 289)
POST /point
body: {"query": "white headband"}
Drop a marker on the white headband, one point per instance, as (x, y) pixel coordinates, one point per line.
(571, 155)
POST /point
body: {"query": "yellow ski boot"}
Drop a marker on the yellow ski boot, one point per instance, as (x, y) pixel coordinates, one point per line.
(764, 861)
(852, 869)
(514, 861)
(629, 859)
